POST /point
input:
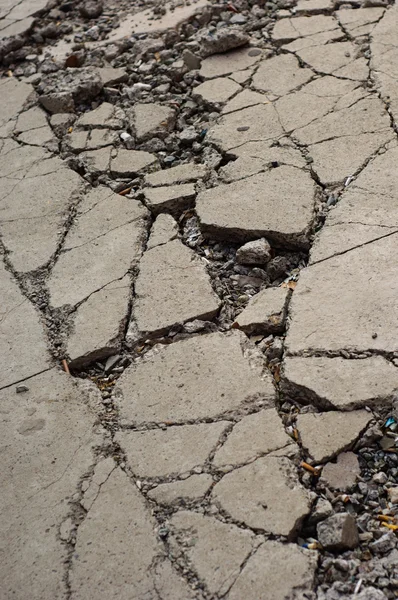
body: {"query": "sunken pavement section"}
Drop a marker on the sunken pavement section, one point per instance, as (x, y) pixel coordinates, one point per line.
(224, 320)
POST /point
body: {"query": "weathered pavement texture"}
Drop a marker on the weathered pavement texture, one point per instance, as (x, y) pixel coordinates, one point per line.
(224, 320)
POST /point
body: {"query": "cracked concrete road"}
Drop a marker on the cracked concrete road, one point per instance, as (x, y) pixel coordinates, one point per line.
(198, 316)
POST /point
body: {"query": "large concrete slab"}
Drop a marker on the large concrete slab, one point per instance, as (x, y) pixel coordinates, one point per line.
(347, 302)
(278, 205)
(48, 446)
(201, 377)
(23, 347)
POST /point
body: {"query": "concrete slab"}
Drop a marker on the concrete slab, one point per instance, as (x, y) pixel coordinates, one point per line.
(217, 91)
(164, 229)
(265, 312)
(185, 490)
(152, 119)
(230, 62)
(280, 74)
(171, 198)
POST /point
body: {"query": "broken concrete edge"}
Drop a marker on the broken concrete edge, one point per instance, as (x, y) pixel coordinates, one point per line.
(267, 327)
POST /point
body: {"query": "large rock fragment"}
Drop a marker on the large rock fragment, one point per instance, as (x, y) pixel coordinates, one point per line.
(48, 446)
(339, 383)
(61, 90)
(196, 378)
(278, 205)
(257, 252)
(338, 532)
(252, 495)
(172, 287)
(216, 550)
(107, 239)
(275, 572)
(22, 342)
(324, 435)
(183, 448)
(222, 40)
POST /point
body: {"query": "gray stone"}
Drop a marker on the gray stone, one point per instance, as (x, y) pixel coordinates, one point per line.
(31, 229)
(343, 474)
(180, 174)
(254, 436)
(48, 442)
(265, 312)
(280, 74)
(277, 570)
(278, 205)
(106, 241)
(217, 91)
(348, 310)
(182, 448)
(164, 229)
(339, 383)
(172, 287)
(338, 532)
(130, 162)
(257, 252)
(323, 435)
(152, 119)
(224, 64)
(385, 544)
(252, 495)
(197, 378)
(22, 342)
(215, 549)
(173, 198)
(99, 324)
(222, 40)
(323, 509)
(191, 60)
(187, 490)
(60, 90)
(110, 76)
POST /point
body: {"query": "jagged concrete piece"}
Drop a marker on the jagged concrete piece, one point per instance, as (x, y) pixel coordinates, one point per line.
(96, 338)
(230, 62)
(107, 239)
(359, 22)
(103, 116)
(48, 442)
(324, 435)
(164, 229)
(152, 119)
(339, 383)
(177, 175)
(173, 198)
(289, 29)
(216, 550)
(189, 489)
(367, 209)
(172, 287)
(280, 74)
(200, 377)
(265, 312)
(217, 91)
(255, 435)
(244, 99)
(278, 206)
(355, 312)
(340, 59)
(183, 448)
(22, 342)
(32, 229)
(91, 487)
(128, 163)
(118, 519)
(13, 95)
(342, 475)
(280, 569)
(251, 495)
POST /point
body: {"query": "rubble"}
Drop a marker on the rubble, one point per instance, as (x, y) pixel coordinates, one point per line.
(338, 532)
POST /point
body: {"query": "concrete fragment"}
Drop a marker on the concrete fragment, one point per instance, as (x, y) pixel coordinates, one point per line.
(335, 58)
(103, 116)
(278, 205)
(129, 163)
(244, 99)
(222, 40)
(338, 382)
(216, 550)
(152, 119)
(324, 435)
(348, 311)
(313, 7)
(48, 443)
(338, 532)
(359, 22)
(191, 60)
(277, 570)
(99, 324)
(163, 230)
(13, 95)
(252, 495)
(173, 198)
(224, 64)
(187, 490)
(183, 448)
(107, 239)
(257, 252)
(98, 138)
(217, 91)
(384, 55)
(289, 29)
(179, 174)
(172, 287)
(111, 76)
(280, 74)
(97, 161)
(343, 474)
(102, 471)
(200, 377)
(265, 312)
(255, 435)
(22, 342)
